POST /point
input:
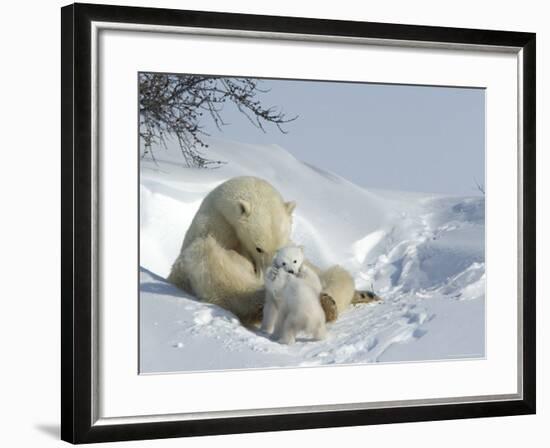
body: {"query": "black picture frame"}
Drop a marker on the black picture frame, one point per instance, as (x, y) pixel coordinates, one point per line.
(77, 424)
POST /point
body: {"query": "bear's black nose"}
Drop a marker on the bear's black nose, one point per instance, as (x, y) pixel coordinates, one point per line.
(291, 271)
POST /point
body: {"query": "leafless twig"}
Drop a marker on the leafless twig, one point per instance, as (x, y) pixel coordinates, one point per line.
(174, 105)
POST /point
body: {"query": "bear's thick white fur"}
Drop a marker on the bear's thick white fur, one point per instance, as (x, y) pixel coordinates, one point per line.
(230, 243)
(292, 298)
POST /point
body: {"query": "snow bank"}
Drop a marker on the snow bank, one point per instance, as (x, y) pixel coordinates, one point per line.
(423, 253)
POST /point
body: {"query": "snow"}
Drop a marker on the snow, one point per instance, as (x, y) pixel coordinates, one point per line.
(423, 253)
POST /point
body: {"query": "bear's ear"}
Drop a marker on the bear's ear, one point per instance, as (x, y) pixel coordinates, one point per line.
(244, 207)
(290, 206)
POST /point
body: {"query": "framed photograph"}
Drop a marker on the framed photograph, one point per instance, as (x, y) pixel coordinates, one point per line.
(275, 223)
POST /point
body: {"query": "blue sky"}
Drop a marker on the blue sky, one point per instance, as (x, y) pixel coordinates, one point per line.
(412, 138)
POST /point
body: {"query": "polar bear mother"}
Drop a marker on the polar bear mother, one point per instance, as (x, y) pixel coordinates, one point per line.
(231, 241)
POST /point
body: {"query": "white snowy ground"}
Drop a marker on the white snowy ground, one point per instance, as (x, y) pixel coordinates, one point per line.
(424, 254)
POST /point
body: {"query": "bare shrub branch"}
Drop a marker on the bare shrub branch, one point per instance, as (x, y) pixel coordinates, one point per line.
(479, 187)
(175, 105)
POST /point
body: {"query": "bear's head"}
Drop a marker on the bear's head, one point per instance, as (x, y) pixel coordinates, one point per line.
(260, 217)
(263, 228)
(289, 258)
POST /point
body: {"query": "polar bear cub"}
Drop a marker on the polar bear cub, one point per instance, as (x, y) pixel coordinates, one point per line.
(292, 298)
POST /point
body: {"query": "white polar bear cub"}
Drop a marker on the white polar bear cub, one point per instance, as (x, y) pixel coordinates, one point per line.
(292, 298)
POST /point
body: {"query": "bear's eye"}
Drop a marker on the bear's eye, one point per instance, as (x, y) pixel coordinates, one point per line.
(294, 261)
(260, 251)
(284, 264)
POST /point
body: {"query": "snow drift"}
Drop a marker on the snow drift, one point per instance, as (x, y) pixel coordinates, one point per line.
(424, 254)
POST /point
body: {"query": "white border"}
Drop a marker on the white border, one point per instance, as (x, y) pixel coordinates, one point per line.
(121, 392)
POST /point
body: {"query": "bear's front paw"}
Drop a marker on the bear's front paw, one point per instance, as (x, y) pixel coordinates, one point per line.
(272, 273)
(257, 314)
(329, 307)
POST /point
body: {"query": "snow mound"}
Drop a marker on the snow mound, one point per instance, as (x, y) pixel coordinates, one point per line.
(424, 254)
